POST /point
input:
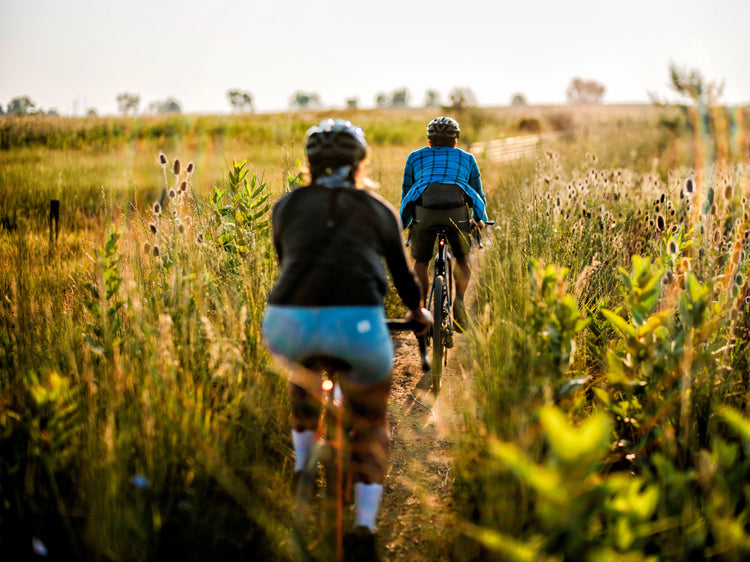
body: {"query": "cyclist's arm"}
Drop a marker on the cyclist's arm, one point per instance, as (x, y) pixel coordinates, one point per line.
(404, 278)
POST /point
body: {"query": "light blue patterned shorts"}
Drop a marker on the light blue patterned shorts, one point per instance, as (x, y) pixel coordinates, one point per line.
(358, 335)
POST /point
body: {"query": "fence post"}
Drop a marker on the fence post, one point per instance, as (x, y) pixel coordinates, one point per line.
(54, 215)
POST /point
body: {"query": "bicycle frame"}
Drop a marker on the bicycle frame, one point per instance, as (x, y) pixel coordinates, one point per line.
(440, 298)
(332, 453)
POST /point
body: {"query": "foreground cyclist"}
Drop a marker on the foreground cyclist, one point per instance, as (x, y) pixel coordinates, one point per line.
(439, 181)
(331, 238)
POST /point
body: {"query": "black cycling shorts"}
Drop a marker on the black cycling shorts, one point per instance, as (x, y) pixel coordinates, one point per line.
(423, 232)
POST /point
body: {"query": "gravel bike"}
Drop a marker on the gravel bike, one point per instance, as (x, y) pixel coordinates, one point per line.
(440, 301)
(325, 488)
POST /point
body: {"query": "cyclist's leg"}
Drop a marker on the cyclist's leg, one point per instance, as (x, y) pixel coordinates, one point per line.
(422, 245)
(289, 333)
(458, 239)
(370, 446)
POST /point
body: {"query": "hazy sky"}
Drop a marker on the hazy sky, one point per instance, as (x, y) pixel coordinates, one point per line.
(76, 54)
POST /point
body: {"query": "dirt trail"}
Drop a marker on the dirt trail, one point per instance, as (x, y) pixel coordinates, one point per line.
(417, 517)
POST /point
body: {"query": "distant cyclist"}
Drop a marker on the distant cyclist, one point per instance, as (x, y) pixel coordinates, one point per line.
(441, 182)
(332, 240)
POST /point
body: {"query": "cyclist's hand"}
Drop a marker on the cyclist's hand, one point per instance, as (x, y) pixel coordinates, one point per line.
(423, 316)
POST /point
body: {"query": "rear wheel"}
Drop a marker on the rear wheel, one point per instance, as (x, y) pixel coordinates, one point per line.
(438, 294)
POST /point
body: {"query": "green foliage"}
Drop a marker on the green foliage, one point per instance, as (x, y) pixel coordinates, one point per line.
(103, 334)
(239, 214)
(553, 320)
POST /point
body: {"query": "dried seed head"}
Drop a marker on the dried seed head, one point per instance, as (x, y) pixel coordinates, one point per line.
(157, 208)
(172, 193)
(146, 246)
(183, 185)
(660, 224)
(672, 247)
(200, 238)
(156, 251)
(689, 185)
(685, 264)
(190, 167)
(152, 228)
(728, 192)
(176, 167)
(181, 228)
(163, 159)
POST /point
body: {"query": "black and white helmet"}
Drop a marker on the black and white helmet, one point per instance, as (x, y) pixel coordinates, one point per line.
(335, 140)
(443, 128)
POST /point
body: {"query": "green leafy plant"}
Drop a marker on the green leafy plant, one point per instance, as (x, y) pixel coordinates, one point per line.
(103, 333)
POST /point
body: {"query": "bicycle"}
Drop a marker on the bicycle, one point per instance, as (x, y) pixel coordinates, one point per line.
(326, 485)
(440, 301)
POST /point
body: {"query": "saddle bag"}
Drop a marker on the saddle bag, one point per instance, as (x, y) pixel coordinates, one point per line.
(442, 196)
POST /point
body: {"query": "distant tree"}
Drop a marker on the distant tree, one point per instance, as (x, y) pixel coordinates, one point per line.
(128, 103)
(400, 98)
(461, 98)
(20, 105)
(585, 91)
(241, 101)
(381, 100)
(690, 84)
(2, 112)
(431, 98)
(91, 112)
(518, 99)
(169, 105)
(303, 100)
(352, 103)
(52, 111)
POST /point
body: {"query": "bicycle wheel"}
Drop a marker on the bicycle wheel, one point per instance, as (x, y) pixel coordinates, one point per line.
(438, 296)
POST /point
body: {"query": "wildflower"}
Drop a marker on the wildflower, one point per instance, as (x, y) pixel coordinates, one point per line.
(176, 168)
(162, 159)
(190, 167)
(157, 208)
(152, 228)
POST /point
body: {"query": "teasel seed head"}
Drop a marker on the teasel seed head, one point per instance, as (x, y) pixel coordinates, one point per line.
(172, 193)
(183, 185)
(157, 208)
(190, 167)
(152, 228)
(156, 251)
(163, 159)
(176, 167)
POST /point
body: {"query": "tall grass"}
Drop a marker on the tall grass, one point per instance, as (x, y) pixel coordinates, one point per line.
(610, 363)
(140, 417)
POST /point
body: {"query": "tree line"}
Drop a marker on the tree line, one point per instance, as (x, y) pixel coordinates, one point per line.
(687, 83)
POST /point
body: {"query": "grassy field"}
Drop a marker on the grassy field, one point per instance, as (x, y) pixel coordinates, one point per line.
(141, 417)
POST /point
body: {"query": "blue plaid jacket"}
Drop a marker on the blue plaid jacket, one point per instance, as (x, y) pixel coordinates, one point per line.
(441, 164)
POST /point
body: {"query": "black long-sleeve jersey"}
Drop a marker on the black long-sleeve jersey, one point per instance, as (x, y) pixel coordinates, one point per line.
(332, 244)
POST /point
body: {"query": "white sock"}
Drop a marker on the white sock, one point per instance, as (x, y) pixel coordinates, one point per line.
(303, 442)
(367, 500)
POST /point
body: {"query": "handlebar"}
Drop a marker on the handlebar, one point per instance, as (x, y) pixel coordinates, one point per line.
(478, 234)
